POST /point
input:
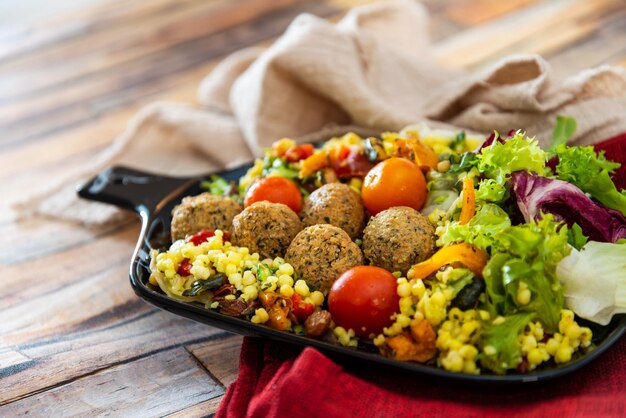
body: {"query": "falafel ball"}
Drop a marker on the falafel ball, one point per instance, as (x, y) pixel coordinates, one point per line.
(397, 238)
(320, 253)
(335, 204)
(265, 228)
(204, 211)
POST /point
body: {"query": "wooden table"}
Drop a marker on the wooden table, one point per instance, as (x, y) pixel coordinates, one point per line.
(74, 339)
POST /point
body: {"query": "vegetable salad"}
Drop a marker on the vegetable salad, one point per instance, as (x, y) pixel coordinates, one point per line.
(473, 256)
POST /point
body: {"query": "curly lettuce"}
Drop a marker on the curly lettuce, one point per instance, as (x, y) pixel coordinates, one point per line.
(500, 159)
(591, 172)
(480, 231)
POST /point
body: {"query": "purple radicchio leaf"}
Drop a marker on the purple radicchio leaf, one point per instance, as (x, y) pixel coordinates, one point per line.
(536, 194)
(493, 138)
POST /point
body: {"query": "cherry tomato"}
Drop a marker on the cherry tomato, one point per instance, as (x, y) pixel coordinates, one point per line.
(394, 182)
(299, 152)
(275, 190)
(364, 298)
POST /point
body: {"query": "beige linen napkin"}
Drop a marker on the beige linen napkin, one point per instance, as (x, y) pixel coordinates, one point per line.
(373, 70)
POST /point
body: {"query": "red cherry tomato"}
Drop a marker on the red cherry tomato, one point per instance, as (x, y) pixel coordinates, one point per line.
(299, 152)
(394, 182)
(364, 298)
(275, 190)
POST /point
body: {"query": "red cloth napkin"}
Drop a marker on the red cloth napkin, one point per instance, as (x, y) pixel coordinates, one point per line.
(280, 380)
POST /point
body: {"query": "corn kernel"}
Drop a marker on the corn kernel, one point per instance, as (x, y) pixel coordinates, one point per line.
(250, 292)
(301, 288)
(490, 350)
(438, 299)
(563, 354)
(455, 345)
(469, 367)
(403, 320)
(248, 278)
(169, 274)
(535, 357)
(260, 316)
(153, 281)
(499, 320)
(379, 340)
(552, 346)
(418, 289)
(285, 279)
(230, 297)
(286, 291)
(286, 268)
(573, 331)
(317, 297)
(406, 305)
(484, 315)
(453, 361)
(404, 290)
(523, 296)
(468, 352)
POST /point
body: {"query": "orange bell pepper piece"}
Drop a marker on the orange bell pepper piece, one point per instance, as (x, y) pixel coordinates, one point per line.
(419, 345)
(315, 162)
(471, 257)
(420, 153)
(468, 209)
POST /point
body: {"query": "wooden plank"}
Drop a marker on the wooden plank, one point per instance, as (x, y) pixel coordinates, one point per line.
(83, 350)
(10, 358)
(107, 47)
(606, 43)
(484, 43)
(72, 266)
(153, 386)
(201, 410)
(17, 239)
(221, 358)
(129, 81)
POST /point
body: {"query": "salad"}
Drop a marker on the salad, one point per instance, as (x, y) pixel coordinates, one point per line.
(437, 247)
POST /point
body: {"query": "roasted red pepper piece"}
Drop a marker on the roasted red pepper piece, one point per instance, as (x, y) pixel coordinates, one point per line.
(299, 152)
(355, 164)
(203, 235)
(184, 267)
(301, 309)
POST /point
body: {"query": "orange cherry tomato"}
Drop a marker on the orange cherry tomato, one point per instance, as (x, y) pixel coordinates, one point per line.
(394, 182)
(363, 299)
(275, 190)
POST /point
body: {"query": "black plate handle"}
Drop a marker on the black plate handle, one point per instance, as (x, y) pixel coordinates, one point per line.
(131, 189)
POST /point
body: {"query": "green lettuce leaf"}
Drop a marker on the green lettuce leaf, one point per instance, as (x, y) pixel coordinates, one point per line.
(591, 172)
(499, 160)
(480, 231)
(528, 253)
(562, 132)
(499, 348)
(490, 190)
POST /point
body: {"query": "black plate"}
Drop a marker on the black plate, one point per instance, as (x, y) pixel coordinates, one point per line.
(153, 197)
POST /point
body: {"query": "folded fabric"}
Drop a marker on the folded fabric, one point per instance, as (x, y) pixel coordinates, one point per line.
(280, 380)
(374, 69)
